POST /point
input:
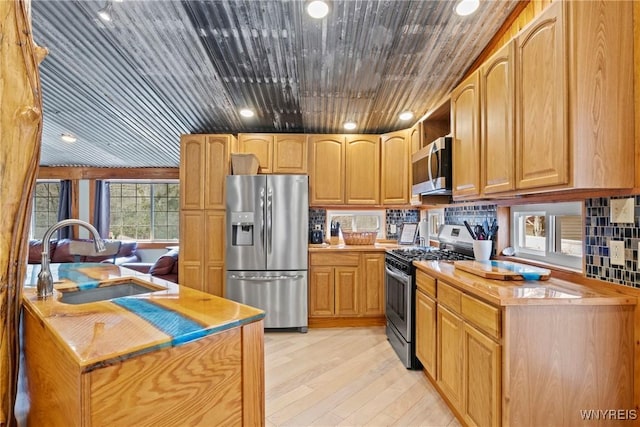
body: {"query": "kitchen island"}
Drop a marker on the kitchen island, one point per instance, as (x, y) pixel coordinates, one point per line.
(171, 356)
(526, 353)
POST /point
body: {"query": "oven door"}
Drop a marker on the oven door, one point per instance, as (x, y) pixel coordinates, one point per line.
(398, 304)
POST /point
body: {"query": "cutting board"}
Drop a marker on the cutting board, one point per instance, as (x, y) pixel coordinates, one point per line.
(503, 270)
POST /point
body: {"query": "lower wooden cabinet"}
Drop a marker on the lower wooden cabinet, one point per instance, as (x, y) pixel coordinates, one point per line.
(346, 284)
(481, 376)
(450, 354)
(426, 332)
(201, 261)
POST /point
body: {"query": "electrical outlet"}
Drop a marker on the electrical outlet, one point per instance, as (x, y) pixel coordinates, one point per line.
(616, 252)
(393, 229)
(622, 210)
(318, 227)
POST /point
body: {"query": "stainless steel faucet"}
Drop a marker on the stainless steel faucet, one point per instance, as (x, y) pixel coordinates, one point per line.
(45, 280)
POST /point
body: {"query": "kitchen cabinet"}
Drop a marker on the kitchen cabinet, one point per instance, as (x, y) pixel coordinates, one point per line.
(465, 120)
(346, 286)
(372, 286)
(344, 169)
(276, 153)
(204, 165)
(395, 156)
(426, 322)
(497, 159)
(574, 98)
(469, 355)
(201, 261)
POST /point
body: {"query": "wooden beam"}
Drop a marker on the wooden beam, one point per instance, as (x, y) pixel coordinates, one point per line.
(46, 172)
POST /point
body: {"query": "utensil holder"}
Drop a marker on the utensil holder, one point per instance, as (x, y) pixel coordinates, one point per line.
(482, 249)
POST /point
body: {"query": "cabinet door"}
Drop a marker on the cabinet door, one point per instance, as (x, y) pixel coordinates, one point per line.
(321, 292)
(191, 264)
(192, 171)
(362, 173)
(259, 144)
(542, 149)
(465, 119)
(372, 285)
(450, 354)
(482, 375)
(290, 154)
(217, 149)
(214, 252)
(496, 129)
(415, 140)
(326, 169)
(395, 168)
(426, 332)
(346, 291)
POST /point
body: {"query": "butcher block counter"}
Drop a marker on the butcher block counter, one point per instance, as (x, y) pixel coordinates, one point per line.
(525, 353)
(171, 356)
(376, 247)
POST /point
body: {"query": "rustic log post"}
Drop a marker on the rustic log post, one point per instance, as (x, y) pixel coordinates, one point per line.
(20, 133)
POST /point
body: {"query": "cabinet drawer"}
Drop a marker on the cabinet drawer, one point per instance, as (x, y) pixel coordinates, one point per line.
(449, 296)
(335, 258)
(486, 317)
(426, 283)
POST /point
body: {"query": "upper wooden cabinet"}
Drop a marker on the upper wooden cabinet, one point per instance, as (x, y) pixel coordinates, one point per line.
(277, 153)
(344, 169)
(496, 122)
(326, 169)
(362, 173)
(395, 184)
(574, 98)
(204, 163)
(465, 120)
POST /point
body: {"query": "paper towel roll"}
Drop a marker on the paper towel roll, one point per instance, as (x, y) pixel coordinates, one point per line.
(424, 229)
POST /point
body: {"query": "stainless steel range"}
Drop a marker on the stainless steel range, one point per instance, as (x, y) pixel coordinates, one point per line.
(400, 284)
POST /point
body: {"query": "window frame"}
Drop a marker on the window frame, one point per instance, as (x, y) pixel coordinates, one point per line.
(32, 225)
(551, 254)
(380, 213)
(151, 183)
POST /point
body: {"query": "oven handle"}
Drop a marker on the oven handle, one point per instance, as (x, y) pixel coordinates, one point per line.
(397, 274)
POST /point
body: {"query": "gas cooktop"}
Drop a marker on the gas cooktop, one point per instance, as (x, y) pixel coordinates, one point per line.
(410, 254)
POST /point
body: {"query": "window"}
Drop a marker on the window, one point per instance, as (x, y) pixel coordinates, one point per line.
(144, 210)
(551, 233)
(358, 220)
(45, 207)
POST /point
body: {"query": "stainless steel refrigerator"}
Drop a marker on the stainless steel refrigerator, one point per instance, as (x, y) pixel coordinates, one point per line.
(266, 255)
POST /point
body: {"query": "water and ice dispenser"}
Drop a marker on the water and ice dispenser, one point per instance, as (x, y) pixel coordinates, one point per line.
(242, 225)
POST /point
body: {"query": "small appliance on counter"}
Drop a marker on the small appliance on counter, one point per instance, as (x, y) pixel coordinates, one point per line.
(316, 237)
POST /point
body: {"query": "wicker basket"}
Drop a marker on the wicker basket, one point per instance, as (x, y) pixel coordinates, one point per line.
(244, 164)
(359, 237)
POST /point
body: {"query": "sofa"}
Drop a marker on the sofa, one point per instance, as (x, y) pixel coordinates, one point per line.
(165, 267)
(59, 252)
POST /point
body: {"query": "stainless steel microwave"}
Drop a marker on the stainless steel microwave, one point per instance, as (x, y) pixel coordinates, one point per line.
(432, 168)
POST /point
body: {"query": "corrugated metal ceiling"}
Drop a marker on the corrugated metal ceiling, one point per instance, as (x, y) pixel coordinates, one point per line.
(129, 88)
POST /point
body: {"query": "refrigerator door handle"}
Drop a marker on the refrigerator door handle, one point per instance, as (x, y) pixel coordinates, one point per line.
(266, 278)
(269, 219)
(261, 217)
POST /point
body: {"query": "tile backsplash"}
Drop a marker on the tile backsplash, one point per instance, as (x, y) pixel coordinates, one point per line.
(599, 230)
(456, 215)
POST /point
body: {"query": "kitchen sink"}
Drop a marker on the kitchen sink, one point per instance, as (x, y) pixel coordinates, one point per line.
(107, 290)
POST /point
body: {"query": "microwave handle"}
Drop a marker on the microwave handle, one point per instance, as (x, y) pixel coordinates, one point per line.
(431, 151)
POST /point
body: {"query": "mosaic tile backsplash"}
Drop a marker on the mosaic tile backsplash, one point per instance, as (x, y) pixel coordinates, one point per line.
(599, 231)
(456, 215)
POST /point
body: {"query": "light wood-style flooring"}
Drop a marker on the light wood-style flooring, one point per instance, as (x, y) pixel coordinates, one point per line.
(345, 377)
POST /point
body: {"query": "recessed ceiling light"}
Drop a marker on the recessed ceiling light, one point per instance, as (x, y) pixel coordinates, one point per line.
(467, 7)
(406, 115)
(105, 12)
(349, 125)
(317, 9)
(67, 137)
(245, 112)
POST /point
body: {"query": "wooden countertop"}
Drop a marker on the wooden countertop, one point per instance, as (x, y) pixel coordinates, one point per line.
(104, 332)
(523, 292)
(377, 247)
